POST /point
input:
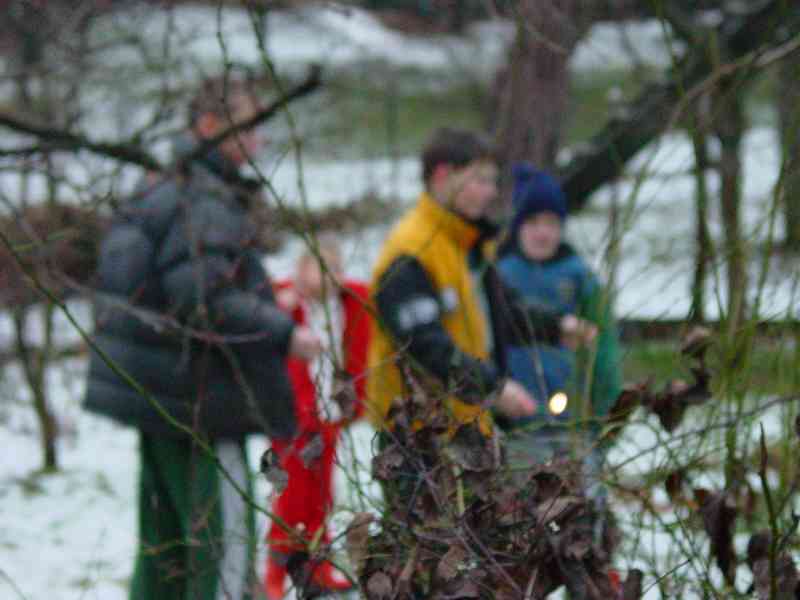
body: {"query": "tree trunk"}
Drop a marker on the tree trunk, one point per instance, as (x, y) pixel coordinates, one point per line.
(34, 366)
(729, 126)
(532, 90)
(703, 248)
(604, 157)
(789, 119)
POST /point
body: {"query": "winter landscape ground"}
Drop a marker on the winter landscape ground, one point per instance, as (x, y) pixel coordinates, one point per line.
(72, 535)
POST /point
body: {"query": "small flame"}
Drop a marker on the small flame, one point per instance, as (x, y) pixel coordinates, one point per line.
(557, 403)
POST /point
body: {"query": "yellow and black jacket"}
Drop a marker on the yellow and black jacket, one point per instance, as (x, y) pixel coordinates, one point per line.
(429, 306)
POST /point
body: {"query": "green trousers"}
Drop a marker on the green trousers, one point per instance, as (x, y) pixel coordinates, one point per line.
(196, 531)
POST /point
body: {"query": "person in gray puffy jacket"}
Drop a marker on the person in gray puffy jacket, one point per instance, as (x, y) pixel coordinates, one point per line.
(189, 348)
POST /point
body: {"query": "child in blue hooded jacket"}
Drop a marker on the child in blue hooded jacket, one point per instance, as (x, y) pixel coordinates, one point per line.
(575, 388)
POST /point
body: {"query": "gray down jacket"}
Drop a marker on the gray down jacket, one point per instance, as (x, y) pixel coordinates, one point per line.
(184, 307)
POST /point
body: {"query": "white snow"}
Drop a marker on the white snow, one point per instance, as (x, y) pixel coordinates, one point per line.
(337, 36)
(72, 535)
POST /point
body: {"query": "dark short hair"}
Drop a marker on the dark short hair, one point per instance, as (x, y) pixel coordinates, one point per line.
(457, 147)
(215, 93)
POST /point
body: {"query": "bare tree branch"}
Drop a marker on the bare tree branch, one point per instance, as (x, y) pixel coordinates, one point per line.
(53, 139)
(647, 117)
(58, 139)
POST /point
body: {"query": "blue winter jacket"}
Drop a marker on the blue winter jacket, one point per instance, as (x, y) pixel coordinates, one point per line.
(564, 284)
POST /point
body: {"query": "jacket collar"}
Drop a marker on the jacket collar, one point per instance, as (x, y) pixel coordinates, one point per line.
(225, 169)
(563, 251)
(452, 225)
(214, 163)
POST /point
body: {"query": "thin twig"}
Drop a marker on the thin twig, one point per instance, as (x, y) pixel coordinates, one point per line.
(773, 517)
(60, 140)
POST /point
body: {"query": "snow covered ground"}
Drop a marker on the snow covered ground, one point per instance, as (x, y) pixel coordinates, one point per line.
(337, 37)
(71, 536)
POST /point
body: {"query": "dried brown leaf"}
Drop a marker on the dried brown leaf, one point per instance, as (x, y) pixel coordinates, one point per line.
(269, 459)
(758, 547)
(344, 394)
(673, 483)
(508, 508)
(628, 400)
(471, 450)
(417, 399)
(676, 387)
(701, 495)
(548, 484)
(462, 588)
(312, 450)
(719, 512)
(278, 478)
(786, 579)
(578, 548)
(272, 470)
(598, 586)
(558, 509)
(505, 593)
(379, 586)
(632, 587)
(449, 567)
(696, 342)
(398, 414)
(358, 539)
(404, 581)
(479, 484)
(668, 405)
(387, 462)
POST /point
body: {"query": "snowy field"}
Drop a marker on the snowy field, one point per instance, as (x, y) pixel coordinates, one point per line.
(71, 536)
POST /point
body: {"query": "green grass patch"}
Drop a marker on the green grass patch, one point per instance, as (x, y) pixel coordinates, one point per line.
(594, 96)
(770, 367)
(658, 361)
(376, 113)
(377, 109)
(31, 485)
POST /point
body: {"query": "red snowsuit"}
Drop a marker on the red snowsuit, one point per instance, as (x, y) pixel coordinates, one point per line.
(308, 496)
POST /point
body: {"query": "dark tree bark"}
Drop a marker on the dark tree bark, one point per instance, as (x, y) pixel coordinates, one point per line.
(703, 247)
(532, 90)
(789, 121)
(605, 156)
(34, 366)
(729, 127)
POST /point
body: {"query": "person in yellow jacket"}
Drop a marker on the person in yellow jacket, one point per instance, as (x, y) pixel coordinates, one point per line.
(440, 304)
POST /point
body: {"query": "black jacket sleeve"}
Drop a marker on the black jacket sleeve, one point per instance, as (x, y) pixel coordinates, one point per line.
(520, 323)
(409, 307)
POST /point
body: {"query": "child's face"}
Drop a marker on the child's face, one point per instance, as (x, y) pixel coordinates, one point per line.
(540, 235)
(242, 146)
(312, 282)
(473, 188)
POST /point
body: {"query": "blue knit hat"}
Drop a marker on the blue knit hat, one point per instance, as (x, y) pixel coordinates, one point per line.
(535, 192)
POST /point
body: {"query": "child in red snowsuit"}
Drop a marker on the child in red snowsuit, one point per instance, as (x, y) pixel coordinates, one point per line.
(335, 308)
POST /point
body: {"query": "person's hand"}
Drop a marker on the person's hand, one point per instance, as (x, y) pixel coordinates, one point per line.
(305, 344)
(287, 299)
(514, 401)
(576, 332)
